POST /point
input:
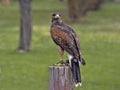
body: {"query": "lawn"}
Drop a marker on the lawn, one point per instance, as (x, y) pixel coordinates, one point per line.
(99, 34)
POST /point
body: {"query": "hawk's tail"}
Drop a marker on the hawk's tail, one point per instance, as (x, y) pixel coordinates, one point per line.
(82, 61)
(76, 71)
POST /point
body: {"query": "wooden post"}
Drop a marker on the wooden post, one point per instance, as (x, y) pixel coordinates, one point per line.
(61, 78)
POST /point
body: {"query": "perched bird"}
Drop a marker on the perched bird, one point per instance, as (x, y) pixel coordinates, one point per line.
(66, 40)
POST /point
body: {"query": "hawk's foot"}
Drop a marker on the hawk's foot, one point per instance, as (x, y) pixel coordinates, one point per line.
(62, 63)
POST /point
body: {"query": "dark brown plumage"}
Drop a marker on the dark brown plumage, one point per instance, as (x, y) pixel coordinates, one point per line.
(66, 39)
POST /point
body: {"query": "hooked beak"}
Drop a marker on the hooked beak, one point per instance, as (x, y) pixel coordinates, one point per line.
(57, 16)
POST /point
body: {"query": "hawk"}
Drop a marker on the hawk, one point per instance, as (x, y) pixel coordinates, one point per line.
(66, 40)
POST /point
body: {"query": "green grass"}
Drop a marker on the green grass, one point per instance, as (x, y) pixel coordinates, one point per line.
(99, 34)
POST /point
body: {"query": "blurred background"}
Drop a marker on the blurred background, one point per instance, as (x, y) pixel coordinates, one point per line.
(24, 66)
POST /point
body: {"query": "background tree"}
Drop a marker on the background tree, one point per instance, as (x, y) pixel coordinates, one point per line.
(73, 10)
(116, 0)
(25, 25)
(78, 8)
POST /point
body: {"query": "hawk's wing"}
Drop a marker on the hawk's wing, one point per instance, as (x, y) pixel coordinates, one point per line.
(65, 37)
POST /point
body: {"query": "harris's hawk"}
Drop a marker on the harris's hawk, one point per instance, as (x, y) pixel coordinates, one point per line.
(66, 39)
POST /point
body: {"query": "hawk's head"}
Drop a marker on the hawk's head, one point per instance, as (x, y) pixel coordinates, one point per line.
(56, 17)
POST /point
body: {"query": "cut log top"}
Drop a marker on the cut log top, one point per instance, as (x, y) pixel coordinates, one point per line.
(61, 78)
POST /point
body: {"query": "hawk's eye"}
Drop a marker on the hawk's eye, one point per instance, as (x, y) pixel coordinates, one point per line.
(53, 14)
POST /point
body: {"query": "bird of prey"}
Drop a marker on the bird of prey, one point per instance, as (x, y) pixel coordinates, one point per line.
(66, 40)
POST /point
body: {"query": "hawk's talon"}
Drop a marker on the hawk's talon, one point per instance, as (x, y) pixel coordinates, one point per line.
(62, 63)
(59, 64)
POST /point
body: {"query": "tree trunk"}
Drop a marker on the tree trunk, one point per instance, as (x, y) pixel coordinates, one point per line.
(25, 25)
(78, 8)
(95, 4)
(88, 5)
(81, 5)
(73, 10)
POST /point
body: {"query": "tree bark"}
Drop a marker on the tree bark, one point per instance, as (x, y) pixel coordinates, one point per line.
(61, 78)
(73, 10)
(95, 4)
(25, 25)
(88, 5)
(81, 5)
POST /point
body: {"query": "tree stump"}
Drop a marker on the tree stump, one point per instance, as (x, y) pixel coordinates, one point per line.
(61, 78)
